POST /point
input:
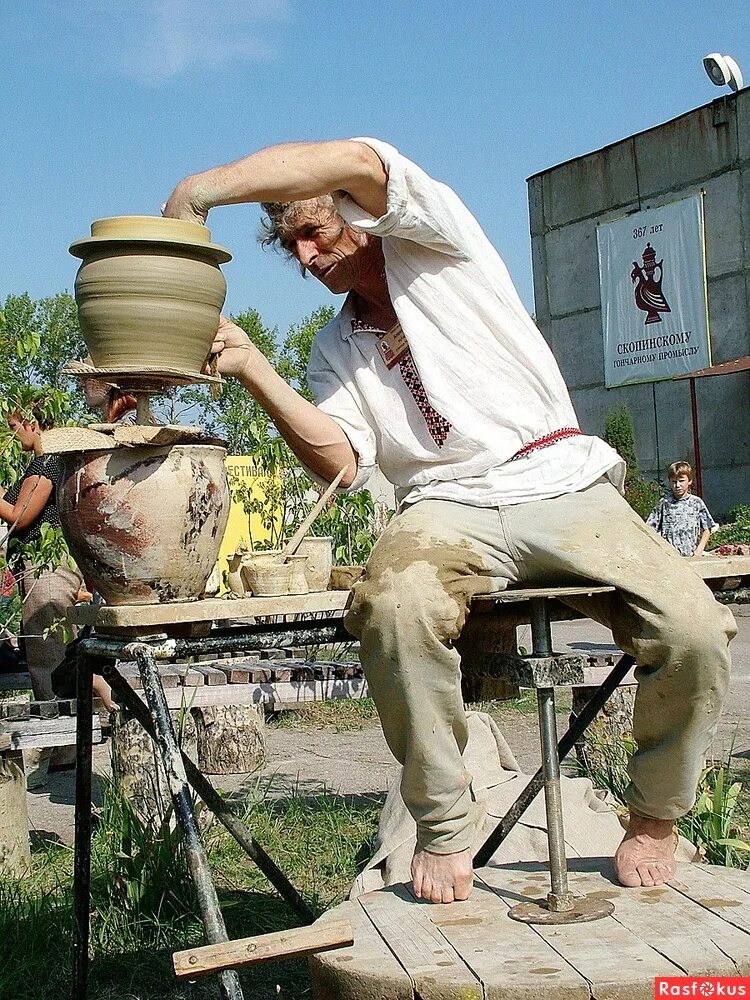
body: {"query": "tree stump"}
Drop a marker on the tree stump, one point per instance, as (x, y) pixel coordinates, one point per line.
(15, 855)
(481, 642)
(230, 738)
(136, 768)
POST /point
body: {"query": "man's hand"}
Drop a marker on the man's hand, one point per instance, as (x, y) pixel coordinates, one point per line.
(235, 350)
(185, 202)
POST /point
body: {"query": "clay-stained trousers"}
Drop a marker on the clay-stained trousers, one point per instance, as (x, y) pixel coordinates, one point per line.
(435, 555)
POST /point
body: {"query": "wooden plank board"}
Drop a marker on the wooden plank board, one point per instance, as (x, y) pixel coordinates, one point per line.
(15, 682)
(610, 957)
(434, 966)
(213, 609)
(238, 954)
(211, 675)
(275, 696)
(502, 953)
(368, 970)
(686, 928)
(696, 940)
(717, 567)
(722, 896)
(40, 733)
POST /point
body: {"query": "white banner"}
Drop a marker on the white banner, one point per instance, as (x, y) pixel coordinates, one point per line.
(652, 276)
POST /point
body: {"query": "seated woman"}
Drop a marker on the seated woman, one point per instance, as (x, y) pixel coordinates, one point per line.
(47, 591)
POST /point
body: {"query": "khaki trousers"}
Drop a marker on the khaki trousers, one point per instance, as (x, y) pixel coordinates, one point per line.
(46, 598)
(435, 555)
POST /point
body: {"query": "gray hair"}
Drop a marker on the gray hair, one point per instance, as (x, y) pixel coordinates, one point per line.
(281, 218)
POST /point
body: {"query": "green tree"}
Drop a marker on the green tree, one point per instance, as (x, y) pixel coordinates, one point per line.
(232, 415)
(642, 494)
(37, 339)
(295, 352)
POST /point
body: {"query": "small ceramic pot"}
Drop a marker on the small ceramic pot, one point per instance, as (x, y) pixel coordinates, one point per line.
(319, 553)
(130, 543)
(299, 574)
(267, 578)
(149, 293)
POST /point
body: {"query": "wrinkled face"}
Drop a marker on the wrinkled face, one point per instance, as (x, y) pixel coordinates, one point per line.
(327, 248)
(26, 433)
(95, 392)
(680, 486)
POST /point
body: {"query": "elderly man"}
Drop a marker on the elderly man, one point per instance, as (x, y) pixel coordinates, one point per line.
(434, 371)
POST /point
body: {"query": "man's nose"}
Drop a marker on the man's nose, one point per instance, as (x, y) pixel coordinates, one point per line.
(306, 252)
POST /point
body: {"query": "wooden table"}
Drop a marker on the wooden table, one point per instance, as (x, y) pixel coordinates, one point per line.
(698, 925)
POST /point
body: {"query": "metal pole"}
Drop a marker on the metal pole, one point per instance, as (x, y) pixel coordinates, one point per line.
(82, 844)
(541, 630)
(171, 758)
(127, 697)
(560, 898)
(575, 730)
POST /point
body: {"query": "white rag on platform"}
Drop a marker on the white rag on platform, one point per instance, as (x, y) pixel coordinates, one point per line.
(592, 826)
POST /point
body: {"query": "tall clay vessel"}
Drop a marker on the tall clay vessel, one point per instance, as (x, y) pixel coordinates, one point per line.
(149, 293)
(144, 524)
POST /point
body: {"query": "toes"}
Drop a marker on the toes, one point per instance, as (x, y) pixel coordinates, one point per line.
(630, 878)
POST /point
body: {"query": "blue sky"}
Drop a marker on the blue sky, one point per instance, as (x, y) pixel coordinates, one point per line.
(106, 104)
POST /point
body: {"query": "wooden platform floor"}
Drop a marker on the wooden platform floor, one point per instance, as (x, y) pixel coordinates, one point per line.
(698, 925)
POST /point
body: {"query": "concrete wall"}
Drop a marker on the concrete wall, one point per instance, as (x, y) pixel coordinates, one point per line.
(707, 149)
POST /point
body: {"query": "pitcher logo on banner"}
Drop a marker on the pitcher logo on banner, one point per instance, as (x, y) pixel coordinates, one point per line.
(648, 293)
(652, 278)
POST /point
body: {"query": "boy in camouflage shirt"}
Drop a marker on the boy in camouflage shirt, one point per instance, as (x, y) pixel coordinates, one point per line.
(683, 519)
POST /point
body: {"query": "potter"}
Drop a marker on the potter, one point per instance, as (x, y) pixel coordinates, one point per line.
(467, 414)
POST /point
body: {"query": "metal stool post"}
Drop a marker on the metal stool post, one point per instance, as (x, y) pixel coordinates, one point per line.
(560, 898)
(561, 905)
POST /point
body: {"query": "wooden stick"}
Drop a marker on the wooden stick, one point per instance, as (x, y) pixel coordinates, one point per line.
(293, 544)
(294, 943)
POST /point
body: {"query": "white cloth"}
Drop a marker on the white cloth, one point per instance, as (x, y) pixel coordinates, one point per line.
(483, 364)
(592, 826)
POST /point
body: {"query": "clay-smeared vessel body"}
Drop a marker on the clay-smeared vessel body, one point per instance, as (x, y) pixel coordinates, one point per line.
(149, 293)
(145, 524)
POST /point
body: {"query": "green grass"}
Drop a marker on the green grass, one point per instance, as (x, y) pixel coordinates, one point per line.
(144, 907)
(341, 715)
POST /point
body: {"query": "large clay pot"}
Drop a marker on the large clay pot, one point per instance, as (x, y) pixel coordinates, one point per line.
(145, 524)
(149, 293)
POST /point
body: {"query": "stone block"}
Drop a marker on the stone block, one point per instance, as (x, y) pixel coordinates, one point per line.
(685, 150)
(723, 224)
(744, 212)
(590, 185)
(572, 268)
(539, 272)
(742, 111)
(577, 343)
(536, 205)
(673, 425)
(724, 422)
(728, 318)
(723, 488)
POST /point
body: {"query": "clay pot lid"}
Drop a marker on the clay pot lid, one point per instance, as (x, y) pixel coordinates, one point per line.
(150, 229)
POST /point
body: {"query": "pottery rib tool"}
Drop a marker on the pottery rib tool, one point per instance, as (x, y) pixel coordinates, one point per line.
(293, 544)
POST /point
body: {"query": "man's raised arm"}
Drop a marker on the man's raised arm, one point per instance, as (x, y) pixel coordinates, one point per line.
(292, 171)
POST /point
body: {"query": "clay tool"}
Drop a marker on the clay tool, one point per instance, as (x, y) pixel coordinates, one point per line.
(293, 544)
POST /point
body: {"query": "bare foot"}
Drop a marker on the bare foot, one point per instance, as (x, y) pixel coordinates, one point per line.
(646, 854)
(442, 878)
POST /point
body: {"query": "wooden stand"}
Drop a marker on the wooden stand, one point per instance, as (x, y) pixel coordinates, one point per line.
(697, 925)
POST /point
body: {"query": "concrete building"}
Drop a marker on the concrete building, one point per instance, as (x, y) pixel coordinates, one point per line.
(706, 149)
